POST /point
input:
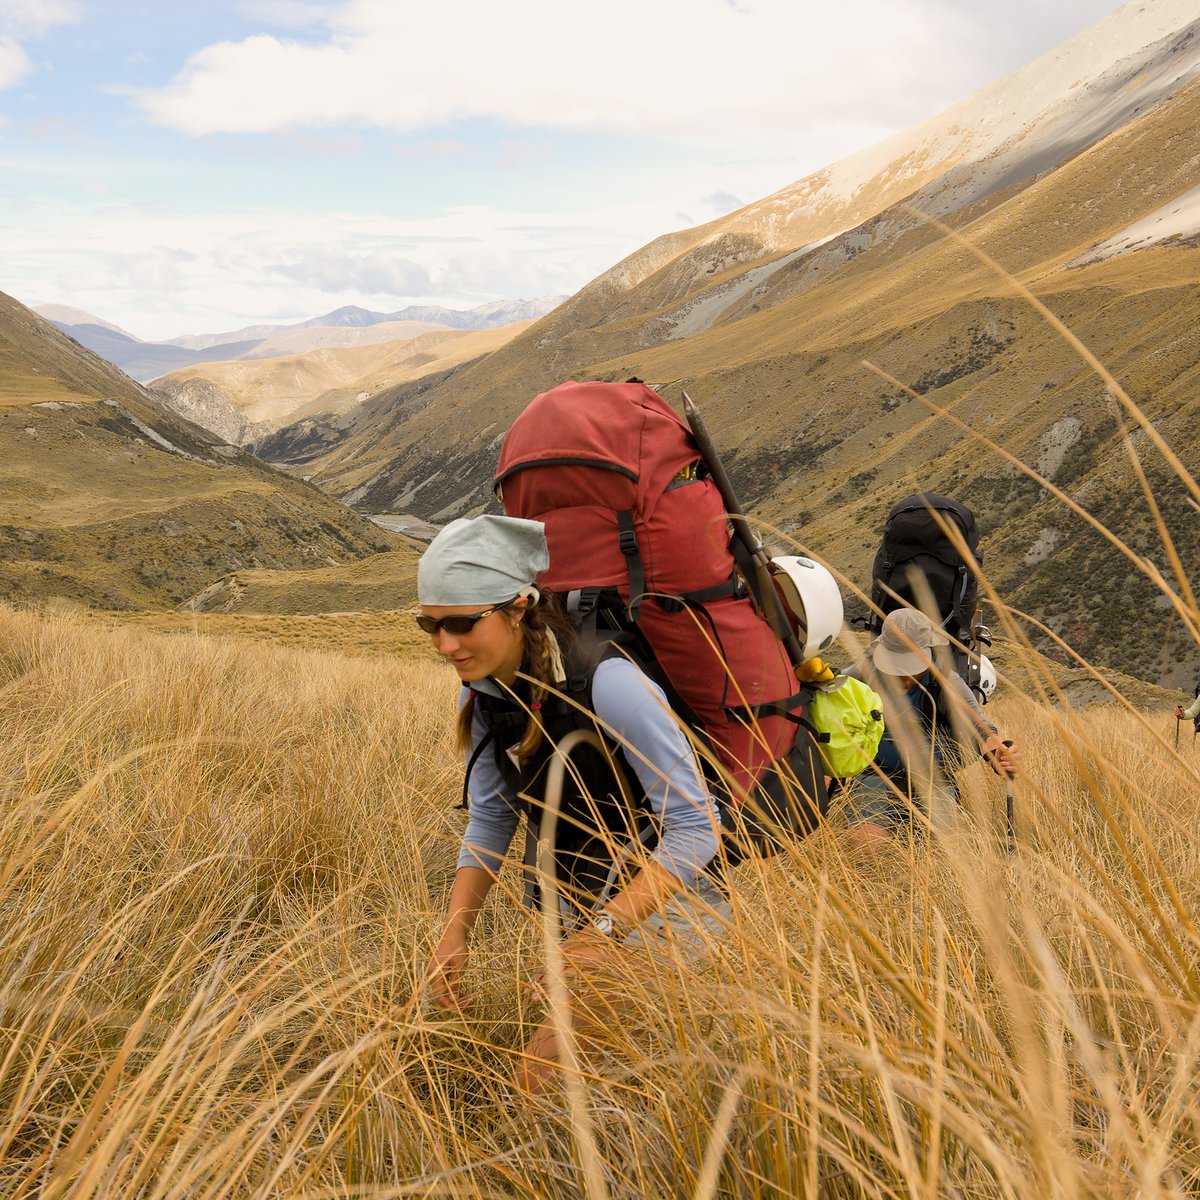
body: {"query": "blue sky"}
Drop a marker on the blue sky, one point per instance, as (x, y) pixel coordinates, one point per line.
(194, 168)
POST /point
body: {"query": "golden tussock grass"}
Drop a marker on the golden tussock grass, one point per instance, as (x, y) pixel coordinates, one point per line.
(224, 864)
(368, 633)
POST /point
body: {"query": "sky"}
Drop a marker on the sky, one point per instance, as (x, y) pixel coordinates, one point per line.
(181, 169)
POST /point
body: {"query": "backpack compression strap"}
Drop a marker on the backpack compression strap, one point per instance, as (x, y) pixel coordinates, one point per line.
(781, 708)
(627, 539)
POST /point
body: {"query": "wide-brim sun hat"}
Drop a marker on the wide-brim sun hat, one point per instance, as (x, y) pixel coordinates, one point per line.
(906, 643)
(481, 560)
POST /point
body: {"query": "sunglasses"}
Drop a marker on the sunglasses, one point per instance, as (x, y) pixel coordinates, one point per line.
(460, 626)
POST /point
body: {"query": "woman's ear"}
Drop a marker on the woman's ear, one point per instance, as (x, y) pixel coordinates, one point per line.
(526, 598)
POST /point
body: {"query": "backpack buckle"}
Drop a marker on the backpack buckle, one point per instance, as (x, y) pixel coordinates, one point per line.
(627, 539)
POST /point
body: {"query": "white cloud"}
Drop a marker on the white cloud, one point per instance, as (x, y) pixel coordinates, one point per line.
(32, 18)
(14, 62)
(764, 91)
(332, 269)
(756, 72)
(286, 14)
(23, 19)
(161, 272)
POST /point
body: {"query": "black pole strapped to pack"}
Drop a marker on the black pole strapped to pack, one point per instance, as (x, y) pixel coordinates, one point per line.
(762, 584)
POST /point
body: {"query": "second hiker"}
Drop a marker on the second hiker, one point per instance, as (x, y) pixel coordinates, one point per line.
(931, 717)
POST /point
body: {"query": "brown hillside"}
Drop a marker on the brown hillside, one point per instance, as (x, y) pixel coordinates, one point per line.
(378, 583)
(266, 393)
(111, 499)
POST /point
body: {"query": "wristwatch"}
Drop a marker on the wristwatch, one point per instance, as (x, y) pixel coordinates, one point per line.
(604, 925)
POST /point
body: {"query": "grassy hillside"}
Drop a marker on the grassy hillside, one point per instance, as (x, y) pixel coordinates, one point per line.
(111, 499)
(370, 634)
(775, 340)
(267, 393)
(224, 867)
(380, 582)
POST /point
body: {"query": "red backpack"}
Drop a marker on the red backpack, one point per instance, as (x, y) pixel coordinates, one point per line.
(619, 482)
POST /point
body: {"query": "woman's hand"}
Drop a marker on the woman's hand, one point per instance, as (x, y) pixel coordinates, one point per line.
(443, 975)
(585, 949)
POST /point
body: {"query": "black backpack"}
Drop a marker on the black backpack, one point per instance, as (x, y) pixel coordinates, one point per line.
(914, 541)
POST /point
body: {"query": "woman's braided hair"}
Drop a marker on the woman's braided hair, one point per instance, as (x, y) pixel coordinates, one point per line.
(543, 624)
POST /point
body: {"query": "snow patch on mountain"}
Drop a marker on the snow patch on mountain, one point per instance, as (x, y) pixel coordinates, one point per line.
(698, 315)
(1179, 218)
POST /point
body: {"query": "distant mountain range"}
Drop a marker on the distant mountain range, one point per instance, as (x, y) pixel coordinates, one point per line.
(1077, 174)
(348, 326)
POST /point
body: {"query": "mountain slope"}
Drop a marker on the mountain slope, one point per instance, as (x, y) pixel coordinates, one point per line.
(248, 399)
(768, 315)
(111, 499)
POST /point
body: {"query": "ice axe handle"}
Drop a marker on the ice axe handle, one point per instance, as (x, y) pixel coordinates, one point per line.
(769, 601)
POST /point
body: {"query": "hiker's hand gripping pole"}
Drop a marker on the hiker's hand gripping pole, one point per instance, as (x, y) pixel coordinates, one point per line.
(763, 585)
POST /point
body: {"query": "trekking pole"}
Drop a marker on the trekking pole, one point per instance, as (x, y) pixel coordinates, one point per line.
(1008, 808)
(768, 599)
(1177, 733)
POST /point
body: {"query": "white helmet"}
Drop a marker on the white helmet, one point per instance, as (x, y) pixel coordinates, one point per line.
(810, 594)
(986, 685)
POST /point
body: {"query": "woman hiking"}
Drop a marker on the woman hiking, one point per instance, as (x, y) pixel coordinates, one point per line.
(931, 716)
(631, 873)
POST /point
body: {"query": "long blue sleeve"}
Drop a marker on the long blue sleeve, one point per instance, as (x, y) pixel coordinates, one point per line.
(634, 712)
(494, 811)
(633, 709)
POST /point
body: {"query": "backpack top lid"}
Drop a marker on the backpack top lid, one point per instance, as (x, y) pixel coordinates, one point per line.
(627, 431)
(913, 527)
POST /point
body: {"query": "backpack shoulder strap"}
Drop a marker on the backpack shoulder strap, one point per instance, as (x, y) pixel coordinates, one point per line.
(498, 722)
